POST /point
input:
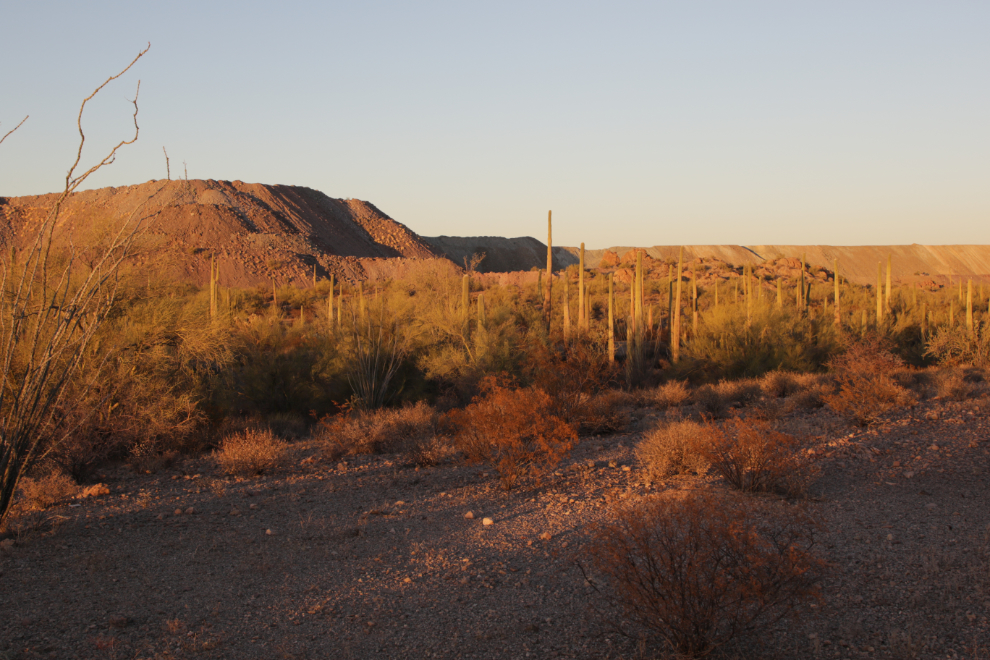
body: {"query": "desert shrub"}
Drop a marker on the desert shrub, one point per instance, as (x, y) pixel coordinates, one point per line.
(251, 452)
(743, 392)
(951, 384)
(288, 426)
(388, 430)
(45, 491)
(812, 397)
(670, 449)
(753, 457)
(711, 401)
(603, 412)
(865, 390)
(700, 570)
(514, 429)
(670, 394)
(780, 384)
(955, 347)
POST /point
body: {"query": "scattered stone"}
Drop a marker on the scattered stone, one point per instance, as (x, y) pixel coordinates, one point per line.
(252, 506)
(399, 503)
(545, 536)
(235, 512)
(487, 521)
(626, 468)
(178, 512)
(6, 544)
(931, 506)
(190, 511)
(269, 532)
(469, 515)
(407, 580)
(908, 473)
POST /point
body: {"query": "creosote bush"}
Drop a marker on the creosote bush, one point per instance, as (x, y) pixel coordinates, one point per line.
(711, 401)
(669, 449)
(670, 394)
(865, 388)
(250, 452)
(514, 429)
(698, 570)
(45, 491)
(411, 429)
(751, 456)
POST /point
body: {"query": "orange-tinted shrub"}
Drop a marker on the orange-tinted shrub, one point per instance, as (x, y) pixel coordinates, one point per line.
(251, 452)
(514, 429)
(698, 570)
(865, 387)
(753, 457)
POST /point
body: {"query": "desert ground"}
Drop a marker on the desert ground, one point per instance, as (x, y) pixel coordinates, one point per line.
(371, 557)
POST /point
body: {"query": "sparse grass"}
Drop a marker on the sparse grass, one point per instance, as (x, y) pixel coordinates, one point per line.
(251, 452)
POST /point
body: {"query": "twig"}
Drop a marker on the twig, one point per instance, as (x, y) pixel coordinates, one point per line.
(7, 134)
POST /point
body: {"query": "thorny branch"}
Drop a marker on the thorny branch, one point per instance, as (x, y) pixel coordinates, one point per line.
(7, 134)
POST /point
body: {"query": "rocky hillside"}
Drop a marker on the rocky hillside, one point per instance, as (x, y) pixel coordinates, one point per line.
(259, 233)
(264, 233)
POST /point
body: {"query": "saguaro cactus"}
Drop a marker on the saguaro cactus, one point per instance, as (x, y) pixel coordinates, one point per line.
(879, 293)
(549, 292)
(481, 310)
(611, 320)
(694, 304)
(886, 296)
(581, 301)
(835, 280)
(330, 302)
(969, 305)
(639, 299)
(675, 340)
(567, 308)
(214, 279)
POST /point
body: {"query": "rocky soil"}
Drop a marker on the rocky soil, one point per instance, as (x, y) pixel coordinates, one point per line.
(372, 558)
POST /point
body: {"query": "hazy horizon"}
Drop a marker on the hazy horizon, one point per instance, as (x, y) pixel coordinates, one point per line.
(644, 124)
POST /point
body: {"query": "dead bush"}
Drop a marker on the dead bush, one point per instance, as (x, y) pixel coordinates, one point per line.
(671, 394)
(670, 449)
(711, 402)
(514, 429)
(396, 430)
(780, 384)
(753, 457)
(250, 452)
(42, 492)
(603, 412)
(743, 392)
(699, 570)
(865, 390)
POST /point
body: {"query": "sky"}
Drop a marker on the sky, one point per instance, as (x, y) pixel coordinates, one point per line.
(637, 123)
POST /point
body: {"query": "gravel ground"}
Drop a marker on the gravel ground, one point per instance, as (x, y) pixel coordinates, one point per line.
(373, 559)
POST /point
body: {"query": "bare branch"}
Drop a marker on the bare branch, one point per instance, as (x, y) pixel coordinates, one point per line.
(7, 134)
(168, 171)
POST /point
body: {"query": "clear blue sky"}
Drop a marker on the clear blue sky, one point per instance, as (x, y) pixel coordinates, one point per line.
(839, 122)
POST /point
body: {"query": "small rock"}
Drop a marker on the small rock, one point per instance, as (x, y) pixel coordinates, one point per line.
(931, 506)
(190, 511)
(890, 537)
(408, 579)
(469, 515)
(487, 521)
(399, 503)
(118, 621)
(269, 532)
(545, 536)
(253, 506)
(178, 512)
(626, 468)
(235, 512)
(94, 491)
(909, 474)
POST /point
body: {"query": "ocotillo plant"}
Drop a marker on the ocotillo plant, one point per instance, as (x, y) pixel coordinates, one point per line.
(581, 292)
(481, 310)
(361, 301)
(675, 340)
(611, 320)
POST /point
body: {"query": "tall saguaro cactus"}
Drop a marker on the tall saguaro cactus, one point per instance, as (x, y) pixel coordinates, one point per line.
(567, 308)
(548, 298)
(330, 301)
(835, 280)
(675, 340)
(611, 320)
(639, 299)
(886, 295)
(214, 279)
(481, 311)
(879, 293)
(581, 292)
(969, 305)
(694, 304)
